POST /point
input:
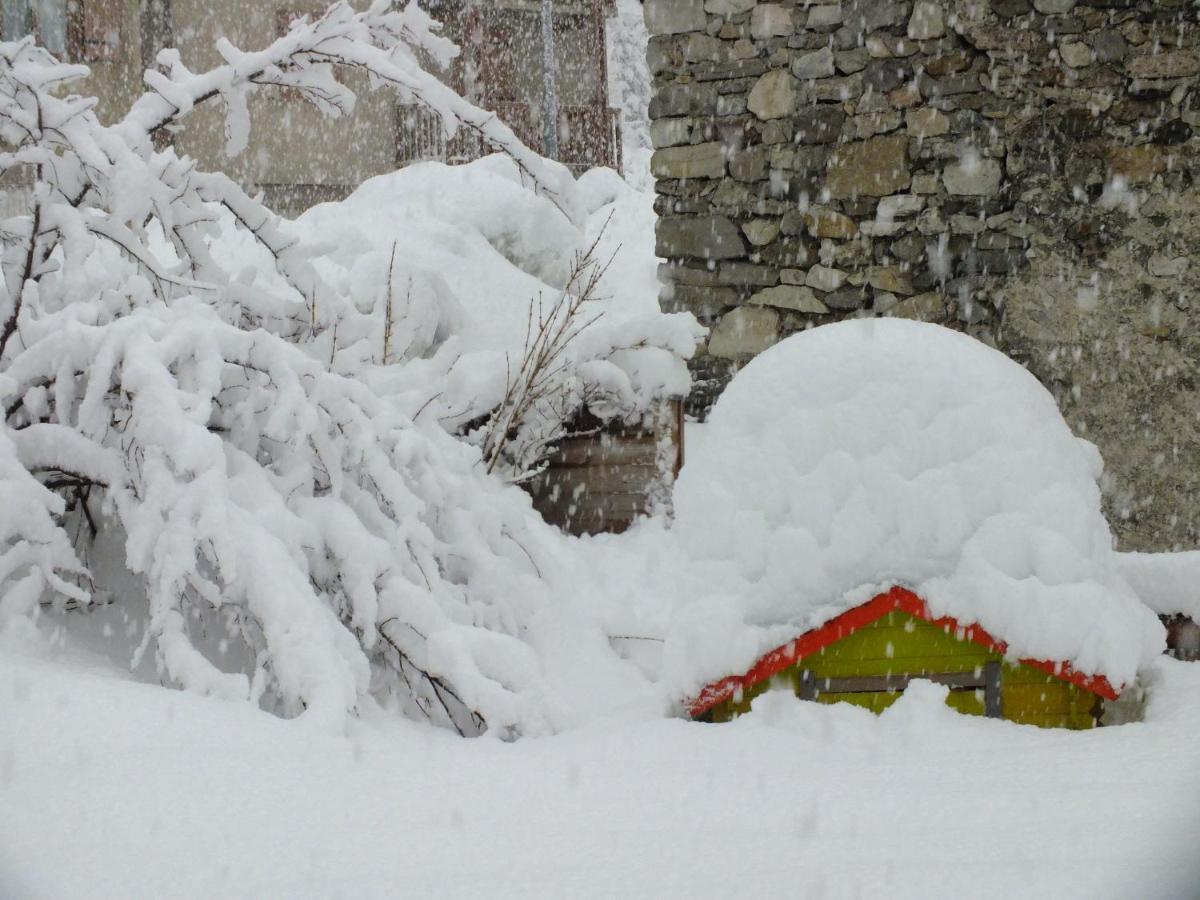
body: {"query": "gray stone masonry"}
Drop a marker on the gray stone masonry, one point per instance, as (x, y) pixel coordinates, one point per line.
(1023, 170)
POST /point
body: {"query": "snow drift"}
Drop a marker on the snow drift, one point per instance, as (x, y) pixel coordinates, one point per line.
(879, 452)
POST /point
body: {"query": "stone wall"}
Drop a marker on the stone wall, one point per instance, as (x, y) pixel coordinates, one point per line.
(1019, 169)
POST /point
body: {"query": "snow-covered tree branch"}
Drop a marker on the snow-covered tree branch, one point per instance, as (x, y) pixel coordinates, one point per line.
(263, 492)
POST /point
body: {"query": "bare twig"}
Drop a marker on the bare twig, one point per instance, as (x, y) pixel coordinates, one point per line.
(530, 391)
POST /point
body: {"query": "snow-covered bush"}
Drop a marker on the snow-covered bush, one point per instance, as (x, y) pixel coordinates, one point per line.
(450, 266)
(871, 453)
(274, 485)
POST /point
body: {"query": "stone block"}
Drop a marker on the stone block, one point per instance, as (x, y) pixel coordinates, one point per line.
(818, 64)
(744, 331)
(905, 96)
(797, 298)
(693, 161)
(883, 75)
(760, 232)
(1176, 64)
(871, 124)
(1075, 54)
(745, 274)
(749, 165)
(728, 8)
(899, 206)
(1109, 46)
(819, 125)
(823, 278)
(744, 49)
(927, 21)
(705, 303)
(769, 20)
(949, 63)
(873, 168)
(949, 85)
(850, 61)
(864, 16)
(773, 95)
(1053, 7)
(674, 16)
(1008, 9)
(1162, 266)
(890, 279)
(670, 132)
(828, 223)
(662, 55)
(836, 89)
(776, 132)
(1138, 165)
(962, 223)
(789, 253)
(700, 237)
(824, 18)
(706, 48)
(927, 307)
(731, 105)
(925, 183)
(926, 122)
(683, 100)
(849, 297)
(973, 177)
(909, 248)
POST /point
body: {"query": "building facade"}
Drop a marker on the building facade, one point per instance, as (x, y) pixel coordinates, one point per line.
(298, 157)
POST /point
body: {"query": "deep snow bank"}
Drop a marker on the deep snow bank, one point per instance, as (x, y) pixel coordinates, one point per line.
(113, 789)
(879, 452)
(1169, 583)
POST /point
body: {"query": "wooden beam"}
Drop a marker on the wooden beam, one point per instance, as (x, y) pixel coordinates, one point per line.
(992, 705)
(873, 684)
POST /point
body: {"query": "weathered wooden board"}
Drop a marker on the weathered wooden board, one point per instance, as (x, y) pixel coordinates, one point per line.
(604, 480)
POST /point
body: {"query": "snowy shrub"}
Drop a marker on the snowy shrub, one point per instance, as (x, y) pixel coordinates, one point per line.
(267, 480)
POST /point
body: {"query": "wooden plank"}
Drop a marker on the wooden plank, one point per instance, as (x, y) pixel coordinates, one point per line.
(595, 480)
(590, 513)
(603, 451)
(867, 684)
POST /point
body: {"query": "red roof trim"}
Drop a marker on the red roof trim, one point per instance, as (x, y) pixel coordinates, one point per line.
(847, 623)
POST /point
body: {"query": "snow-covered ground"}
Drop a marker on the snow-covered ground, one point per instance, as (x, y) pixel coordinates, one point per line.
(292, 466)
(110, 788)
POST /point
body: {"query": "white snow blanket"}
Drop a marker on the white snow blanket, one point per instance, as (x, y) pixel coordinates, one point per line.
(170, 795)
(1169, 583)
(885, 452)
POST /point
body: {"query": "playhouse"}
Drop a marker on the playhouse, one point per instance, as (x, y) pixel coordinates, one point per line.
(877, 501)
(868, 655)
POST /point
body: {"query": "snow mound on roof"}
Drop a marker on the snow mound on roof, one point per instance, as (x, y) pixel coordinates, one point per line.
(1168, 583)
(877, 452)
